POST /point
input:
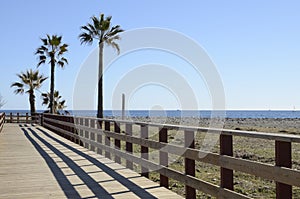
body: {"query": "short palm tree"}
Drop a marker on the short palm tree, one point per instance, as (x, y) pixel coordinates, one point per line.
(29, 81)
(58, 105)
(53, 50)
(100, 29)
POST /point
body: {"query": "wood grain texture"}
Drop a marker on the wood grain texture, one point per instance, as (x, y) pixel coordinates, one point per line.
(36, 163)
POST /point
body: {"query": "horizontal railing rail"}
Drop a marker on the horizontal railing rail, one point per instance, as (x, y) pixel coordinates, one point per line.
(19, 118)
(96, 134)
(2, 119)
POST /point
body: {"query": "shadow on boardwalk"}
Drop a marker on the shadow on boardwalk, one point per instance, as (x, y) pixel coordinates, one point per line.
(33, 135)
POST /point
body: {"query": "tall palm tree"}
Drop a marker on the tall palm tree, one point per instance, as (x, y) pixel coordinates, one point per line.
(100, 29)
(29, 81)
(53, 50)
(59, 105)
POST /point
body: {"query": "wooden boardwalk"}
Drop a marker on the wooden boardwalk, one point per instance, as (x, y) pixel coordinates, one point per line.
(36, 163)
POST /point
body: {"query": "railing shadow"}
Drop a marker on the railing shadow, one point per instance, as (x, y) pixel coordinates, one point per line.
(62, 180)
(94, 186)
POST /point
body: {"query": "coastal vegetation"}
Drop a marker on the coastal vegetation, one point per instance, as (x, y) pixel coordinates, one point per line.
(58, 103)
(28, 83)
(100, 29)
(252, 149)
(52, 50)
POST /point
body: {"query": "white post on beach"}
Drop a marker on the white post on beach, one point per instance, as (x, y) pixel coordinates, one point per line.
(123, 106)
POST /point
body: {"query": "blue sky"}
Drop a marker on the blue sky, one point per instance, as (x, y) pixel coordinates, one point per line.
(254, 45)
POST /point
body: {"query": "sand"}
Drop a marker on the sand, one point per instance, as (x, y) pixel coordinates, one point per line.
(287, 125)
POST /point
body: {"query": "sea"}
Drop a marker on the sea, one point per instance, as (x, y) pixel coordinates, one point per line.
(180, 113)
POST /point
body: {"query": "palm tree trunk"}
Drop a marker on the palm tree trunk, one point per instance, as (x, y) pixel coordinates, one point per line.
(51, 104)
(100, 82)
(32, 102)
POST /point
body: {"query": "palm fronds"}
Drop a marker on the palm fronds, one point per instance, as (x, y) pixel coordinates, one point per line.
(100, 29)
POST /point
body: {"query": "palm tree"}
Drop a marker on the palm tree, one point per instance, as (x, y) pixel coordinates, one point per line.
(100, 29)
(29, 81)
(53, 50)
(58, 105)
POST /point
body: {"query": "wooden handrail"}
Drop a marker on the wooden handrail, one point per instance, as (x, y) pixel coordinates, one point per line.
(281, 172)
(18, 118)
(251, 134)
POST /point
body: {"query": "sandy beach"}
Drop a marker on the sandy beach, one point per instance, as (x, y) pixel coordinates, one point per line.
(269, 125)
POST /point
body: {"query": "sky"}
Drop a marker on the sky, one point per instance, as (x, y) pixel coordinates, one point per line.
(254, 46)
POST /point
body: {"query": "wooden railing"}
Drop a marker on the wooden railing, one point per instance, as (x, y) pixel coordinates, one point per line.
(96, 134)
(18, 118)
(2, 119)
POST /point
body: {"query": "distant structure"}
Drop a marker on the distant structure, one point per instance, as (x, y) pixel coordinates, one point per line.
(123, 106)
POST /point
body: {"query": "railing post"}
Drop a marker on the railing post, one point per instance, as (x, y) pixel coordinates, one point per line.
(107, 139)
(26, 118)
(189, 163)
(36, 118)
(42, 119)
(128, 130)
(92, 134)
(10, 117)
(283, 154)
(163, 157)
(226, 148)
(99, 137)
(18, 119)
(81, 131)
(86, 133)
(144, 150)
(63, 126)
(76, 121)
(117, 142)
(70, 129)
(68, 118)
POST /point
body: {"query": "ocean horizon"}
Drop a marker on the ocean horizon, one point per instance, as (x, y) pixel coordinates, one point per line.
(180, 113)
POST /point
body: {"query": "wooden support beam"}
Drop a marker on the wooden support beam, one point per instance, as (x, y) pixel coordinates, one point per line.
(144, 150)
(226, 148)
(128, 130)
(283, 158)
(190, 193)
(163, 156)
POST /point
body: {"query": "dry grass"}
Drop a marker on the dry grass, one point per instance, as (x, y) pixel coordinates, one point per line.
(246, 148)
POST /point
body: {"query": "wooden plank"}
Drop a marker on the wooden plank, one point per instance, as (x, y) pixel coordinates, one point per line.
(128, 131)
(250, 134)
(117, 141)
(144, 150)
(279, 174)
(283, 158)
(163, 157)
(189, 164)
(226, 148)
(87, 133)
(80, 130)
(26, 174)
(99, 136)
(92, 134)
(165, 171)
(107, 138)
